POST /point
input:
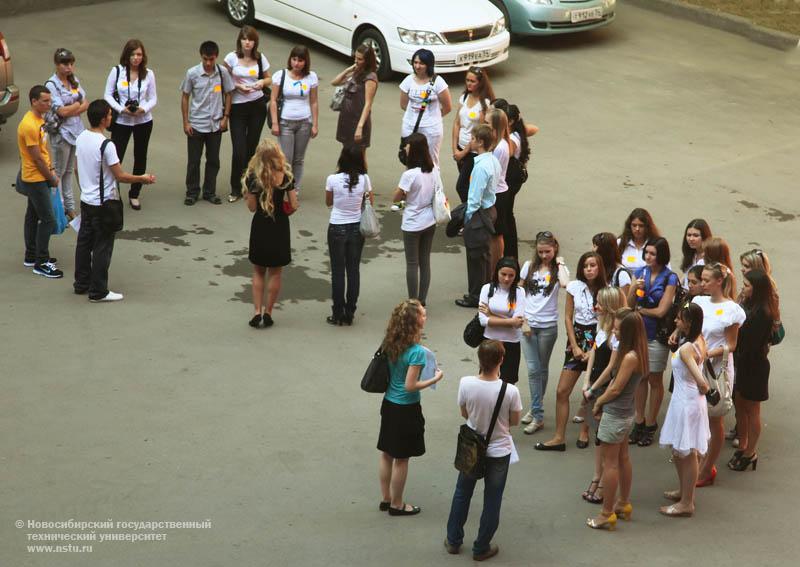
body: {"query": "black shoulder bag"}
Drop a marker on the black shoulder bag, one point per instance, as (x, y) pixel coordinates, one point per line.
(666, 324)
(471, 447)
(267, 92)
(115, 96)
(473, 332)
(376, 378)
(110, 209)
(401, 153)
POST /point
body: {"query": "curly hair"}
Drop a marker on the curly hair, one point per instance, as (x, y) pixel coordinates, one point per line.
(265, 163)
(404, 328)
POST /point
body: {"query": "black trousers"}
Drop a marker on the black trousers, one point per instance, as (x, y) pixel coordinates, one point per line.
(194, 146)
(465, 166)
(121, 135)
(92, 254)
(39, 221)
(479, 270)
(247, 120)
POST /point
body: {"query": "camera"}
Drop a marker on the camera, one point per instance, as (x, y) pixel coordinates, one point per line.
(132, 105)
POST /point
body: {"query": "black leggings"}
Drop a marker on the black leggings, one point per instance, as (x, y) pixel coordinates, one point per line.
(247, 120)
(121, 135)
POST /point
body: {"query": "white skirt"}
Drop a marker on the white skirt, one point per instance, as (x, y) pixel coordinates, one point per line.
(685, 427)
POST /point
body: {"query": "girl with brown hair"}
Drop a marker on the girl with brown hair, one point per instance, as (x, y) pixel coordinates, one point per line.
(249, 69)
(639, 228)
(131, 91)
(360, 85)
(615, 406)
(271, 198)
(402, 433)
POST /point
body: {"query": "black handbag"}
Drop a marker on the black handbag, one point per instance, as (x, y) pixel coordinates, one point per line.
(473, 332)
(471, 447)
(376, 378)
(666, 324)
(401, 153)
(111, 217)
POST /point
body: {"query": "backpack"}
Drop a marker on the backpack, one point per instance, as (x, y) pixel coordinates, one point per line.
(666, 324)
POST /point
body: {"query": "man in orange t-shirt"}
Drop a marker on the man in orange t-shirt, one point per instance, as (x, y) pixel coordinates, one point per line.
(35, 178)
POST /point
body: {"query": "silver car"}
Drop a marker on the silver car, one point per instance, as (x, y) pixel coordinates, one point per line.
(9, 93)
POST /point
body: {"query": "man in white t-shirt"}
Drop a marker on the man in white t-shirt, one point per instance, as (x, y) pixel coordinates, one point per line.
(477, 398)
(95, 242)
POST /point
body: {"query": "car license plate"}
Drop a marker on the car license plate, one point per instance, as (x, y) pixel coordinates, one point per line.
(578, 16)
(473, 56)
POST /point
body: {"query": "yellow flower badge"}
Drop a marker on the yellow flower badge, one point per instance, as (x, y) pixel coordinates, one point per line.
(472, 116)
(719, 312)
(253, 72)
(424, 95)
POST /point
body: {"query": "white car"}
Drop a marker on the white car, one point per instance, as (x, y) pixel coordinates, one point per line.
(460, 33)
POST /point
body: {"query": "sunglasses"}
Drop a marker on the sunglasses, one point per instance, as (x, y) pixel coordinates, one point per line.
(544, 234)
(475, 71)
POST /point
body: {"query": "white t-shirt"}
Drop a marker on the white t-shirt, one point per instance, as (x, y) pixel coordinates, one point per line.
(583, 301)
(540, 310)
(346, 203)
(432, 117)
(501, 152)
(517, 144)
(499, 306)
(87, 153)
(468, 118)
(245, 75)
(296, 104)
(620, 277)
(685, 281)
(632, 257)
(601, 336)
(479, 397)
(419, 188)
(716, 318)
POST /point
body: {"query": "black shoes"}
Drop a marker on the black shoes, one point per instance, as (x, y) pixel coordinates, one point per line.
(467, 302)
(189, 201)
(213, 199)
(561, 447)
(264, 320)
(403, 512)
(341, 320)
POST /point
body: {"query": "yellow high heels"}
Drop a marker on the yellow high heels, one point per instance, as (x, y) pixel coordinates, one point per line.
(609, 524)
(625, 512)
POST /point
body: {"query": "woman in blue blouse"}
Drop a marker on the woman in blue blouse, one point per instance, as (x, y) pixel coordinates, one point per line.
(402, 434)
(652, 292)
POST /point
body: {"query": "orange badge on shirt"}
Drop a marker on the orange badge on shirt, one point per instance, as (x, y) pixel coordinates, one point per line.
(217, 88)
(253, 72)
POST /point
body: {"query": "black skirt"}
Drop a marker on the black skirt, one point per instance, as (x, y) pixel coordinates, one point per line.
(509, 369)
(503, 206)
(752, 378)
(402, 432)
(584, 335)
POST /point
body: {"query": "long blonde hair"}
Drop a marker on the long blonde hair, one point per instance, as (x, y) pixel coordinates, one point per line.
(611, 299)
(498, 121)
(404, 328)
(265, 163)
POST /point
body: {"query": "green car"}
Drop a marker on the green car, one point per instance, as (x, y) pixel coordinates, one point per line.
(550, 17)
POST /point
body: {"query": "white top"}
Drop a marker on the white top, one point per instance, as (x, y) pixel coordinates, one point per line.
(584, 303)
(432, 117)
(419, 188)
(296, 93)
(620, 277)
(468, 118)
(87, 154)
(245, 75)
(716, 318)
(479, 397)
(346, 203)
(632, 257)
(517, 147)
(685, 281)
(501, 152)
(499, 306)
(540, 310)
(144, 92)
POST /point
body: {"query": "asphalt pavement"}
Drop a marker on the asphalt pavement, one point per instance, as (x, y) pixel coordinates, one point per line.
(167, 407)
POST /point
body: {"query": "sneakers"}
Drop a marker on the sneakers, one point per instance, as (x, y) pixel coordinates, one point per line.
(110, 296)
(31, 263)
(533, 427)
(48, 270)
(527, 418)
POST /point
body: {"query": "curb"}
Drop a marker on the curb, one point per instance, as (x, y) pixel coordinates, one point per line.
(722, 21)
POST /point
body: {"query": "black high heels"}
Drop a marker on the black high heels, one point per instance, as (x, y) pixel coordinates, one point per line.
(744, 463)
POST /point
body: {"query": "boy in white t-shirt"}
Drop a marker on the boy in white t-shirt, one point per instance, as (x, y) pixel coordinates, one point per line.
(95, 242)
(477, 398)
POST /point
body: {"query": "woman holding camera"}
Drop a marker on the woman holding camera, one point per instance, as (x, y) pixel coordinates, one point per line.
(685, 428)
(131, 91)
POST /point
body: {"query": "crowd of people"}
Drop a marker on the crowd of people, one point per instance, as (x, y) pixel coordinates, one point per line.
(627, 312)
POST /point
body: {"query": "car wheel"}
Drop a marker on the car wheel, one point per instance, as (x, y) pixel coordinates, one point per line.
(240, 12)
(374, 39)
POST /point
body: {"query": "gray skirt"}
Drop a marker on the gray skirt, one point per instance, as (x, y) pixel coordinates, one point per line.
(658, 355)
(614, 429)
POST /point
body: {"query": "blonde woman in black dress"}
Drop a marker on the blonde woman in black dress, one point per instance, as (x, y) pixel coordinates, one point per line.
(271, 198)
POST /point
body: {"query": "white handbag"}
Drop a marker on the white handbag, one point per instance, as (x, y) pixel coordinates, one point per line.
(720, 383)
(441, 207)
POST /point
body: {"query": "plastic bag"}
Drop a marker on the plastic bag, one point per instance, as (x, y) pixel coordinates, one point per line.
(440, 204)
(58, 211)
(370, 227)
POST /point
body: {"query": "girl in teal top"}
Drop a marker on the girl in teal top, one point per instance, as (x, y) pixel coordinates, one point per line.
(402, 433)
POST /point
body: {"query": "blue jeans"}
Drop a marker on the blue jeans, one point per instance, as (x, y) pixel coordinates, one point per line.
(345, 244)
(537, 348)
(494, 483)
